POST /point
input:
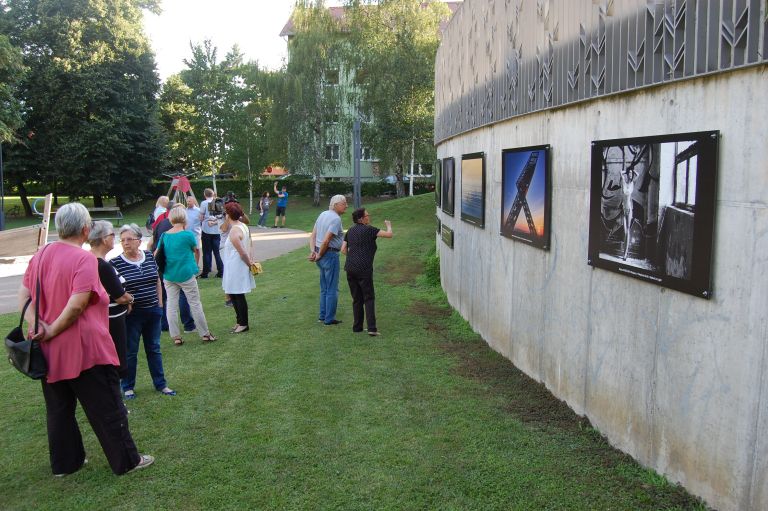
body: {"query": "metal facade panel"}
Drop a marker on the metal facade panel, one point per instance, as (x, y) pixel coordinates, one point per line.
(503, 58)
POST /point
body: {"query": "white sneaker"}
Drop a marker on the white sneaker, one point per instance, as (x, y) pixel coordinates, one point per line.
(145, 461)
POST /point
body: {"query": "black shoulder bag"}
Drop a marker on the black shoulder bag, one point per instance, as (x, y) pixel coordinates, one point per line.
(25, 354)
(160, 256)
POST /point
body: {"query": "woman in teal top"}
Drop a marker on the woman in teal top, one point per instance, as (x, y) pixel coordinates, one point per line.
(181, 256)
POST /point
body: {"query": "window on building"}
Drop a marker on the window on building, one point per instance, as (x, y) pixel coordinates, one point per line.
(332, 152)
(366, 154)
(331, 116)
(686, 161)
(331, 76)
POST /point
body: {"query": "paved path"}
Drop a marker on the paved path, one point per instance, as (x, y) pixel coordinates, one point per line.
(267, 244)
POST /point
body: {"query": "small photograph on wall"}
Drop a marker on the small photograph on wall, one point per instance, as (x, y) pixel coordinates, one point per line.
(652, 206)
(447, 235)
(448, 179)
(525, 195)
(473, 189)
(438, 181)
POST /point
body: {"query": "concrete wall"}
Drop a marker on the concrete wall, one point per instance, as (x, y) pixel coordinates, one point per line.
(678, 382)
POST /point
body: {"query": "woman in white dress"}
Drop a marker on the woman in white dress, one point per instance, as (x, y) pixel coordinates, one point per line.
(237, 260)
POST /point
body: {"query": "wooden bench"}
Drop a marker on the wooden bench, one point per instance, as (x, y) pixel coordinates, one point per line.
(106, 213)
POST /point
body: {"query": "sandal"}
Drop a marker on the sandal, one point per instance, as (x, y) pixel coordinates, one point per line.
(178, 341)
(209, 337)
(167, 392)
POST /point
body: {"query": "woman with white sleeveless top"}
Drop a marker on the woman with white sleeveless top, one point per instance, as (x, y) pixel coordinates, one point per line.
(237, 280)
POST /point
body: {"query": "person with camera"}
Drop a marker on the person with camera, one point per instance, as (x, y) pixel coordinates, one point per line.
(211, 216)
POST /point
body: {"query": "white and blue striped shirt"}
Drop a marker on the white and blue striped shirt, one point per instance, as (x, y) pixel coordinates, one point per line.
(140, 278)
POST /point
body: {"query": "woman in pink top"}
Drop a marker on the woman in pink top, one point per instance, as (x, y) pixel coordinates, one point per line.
(82, 361)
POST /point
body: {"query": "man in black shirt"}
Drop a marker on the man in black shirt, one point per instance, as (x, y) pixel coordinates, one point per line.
(360, 248)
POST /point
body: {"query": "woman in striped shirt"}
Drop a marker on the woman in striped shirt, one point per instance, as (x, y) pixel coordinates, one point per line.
(142, 281)
(102, 240)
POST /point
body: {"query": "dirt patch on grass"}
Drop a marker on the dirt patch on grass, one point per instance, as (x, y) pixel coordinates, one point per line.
(527, 399)
(534, 405)
(398, 272)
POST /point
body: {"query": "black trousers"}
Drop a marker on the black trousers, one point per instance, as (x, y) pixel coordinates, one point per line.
(241, 308)
(361, 287)
(119, 337)
(98, 391)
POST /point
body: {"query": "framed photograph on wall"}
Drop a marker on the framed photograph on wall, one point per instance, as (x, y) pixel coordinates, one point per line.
(438, 181)
(447, 235)
(473, 189)
(449, 186)
(652, 208)
(525, 195)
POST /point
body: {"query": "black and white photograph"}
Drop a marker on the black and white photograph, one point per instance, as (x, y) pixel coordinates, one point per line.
(525, 195)
(438, 182)
(449, 187)
(652, 209)
(473, 189)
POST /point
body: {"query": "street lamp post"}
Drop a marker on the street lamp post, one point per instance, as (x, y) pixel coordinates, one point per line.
(2, 191)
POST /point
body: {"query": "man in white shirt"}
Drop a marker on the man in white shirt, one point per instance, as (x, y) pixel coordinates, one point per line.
(211, 219)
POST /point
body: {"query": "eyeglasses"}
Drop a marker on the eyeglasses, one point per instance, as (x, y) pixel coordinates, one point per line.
(126, 240)
(112, 235)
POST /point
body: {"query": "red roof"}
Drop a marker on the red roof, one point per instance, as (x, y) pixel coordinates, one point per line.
(337, 13)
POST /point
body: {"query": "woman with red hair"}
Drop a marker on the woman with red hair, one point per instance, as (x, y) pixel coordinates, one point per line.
(237, 259)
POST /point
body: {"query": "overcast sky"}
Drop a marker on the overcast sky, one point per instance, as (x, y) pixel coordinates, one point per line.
(253, 24)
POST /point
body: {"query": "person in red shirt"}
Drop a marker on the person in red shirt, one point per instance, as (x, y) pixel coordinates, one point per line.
(82, 361)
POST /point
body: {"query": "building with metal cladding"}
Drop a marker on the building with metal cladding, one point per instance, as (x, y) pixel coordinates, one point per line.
(604, 218)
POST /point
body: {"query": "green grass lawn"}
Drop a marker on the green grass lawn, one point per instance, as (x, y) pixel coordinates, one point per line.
(297, 415)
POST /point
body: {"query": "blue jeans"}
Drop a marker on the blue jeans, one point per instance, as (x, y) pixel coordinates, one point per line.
(329, 285)
(263, 218)
(211, 244)
(144, 323)
(186, 314)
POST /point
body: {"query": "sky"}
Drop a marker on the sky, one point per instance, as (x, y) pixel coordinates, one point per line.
(254, 25)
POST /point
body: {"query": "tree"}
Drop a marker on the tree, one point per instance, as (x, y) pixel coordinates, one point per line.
(303, 104)
(246, 134)
(212, 85)
(90, 113)
(179, 118)
(11, 73)
(393, 47)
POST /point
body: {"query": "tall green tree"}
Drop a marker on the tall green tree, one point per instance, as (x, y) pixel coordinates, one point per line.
(179, 119)
(11, 73)
(213, 87)
(91, 114)
(305, 101)
(392, 47)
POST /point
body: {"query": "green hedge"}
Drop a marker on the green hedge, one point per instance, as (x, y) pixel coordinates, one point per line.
(303, 187)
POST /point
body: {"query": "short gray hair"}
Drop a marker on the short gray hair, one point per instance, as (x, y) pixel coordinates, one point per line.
(100, 230)
(336, 199)
(70, 220)
(133, 228)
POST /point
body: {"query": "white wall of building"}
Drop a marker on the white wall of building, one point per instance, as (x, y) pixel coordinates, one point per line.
(677, 381)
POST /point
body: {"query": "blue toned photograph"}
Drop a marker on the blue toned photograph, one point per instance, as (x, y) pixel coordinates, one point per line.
(473, 189)
(525, 195)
